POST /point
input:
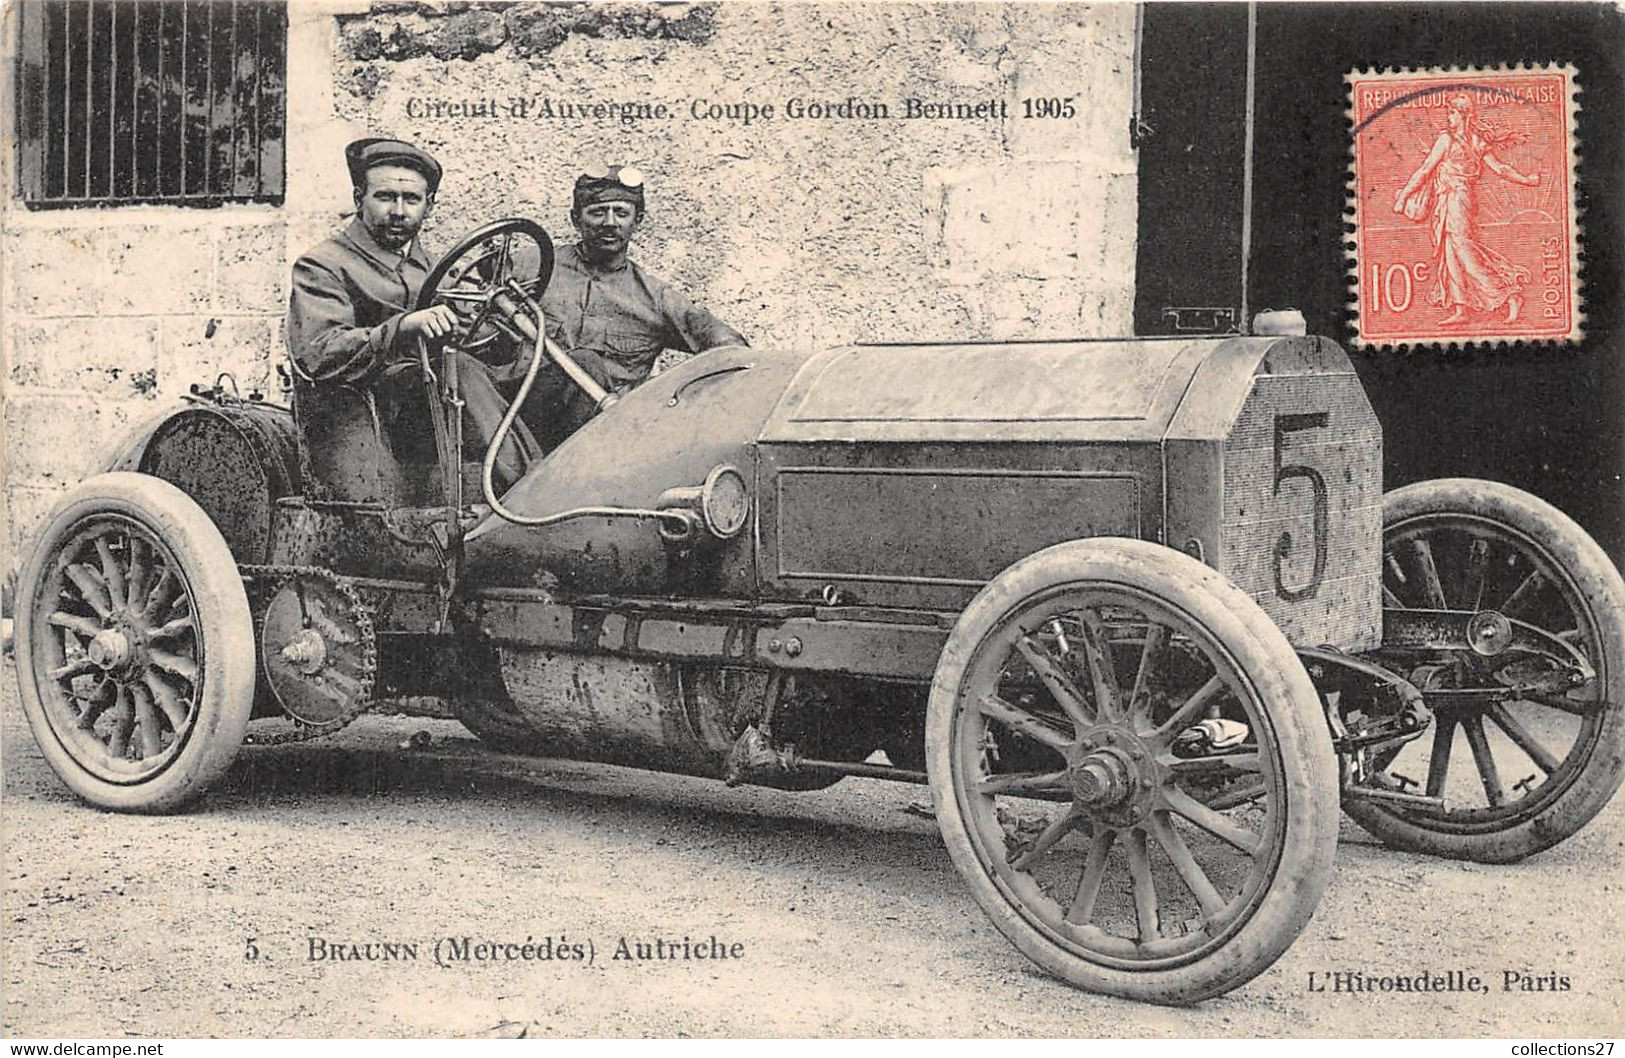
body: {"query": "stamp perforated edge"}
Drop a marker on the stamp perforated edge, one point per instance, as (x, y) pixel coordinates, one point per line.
(1351, 212)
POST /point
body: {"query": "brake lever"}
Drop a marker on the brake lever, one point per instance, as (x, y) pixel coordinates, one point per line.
(600, 396)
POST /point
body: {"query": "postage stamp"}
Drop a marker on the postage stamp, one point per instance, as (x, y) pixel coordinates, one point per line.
(1464, 211)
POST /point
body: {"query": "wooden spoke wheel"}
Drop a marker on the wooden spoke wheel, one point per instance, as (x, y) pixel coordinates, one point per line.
(1095, 832)
(1525, 748)
(135, 652)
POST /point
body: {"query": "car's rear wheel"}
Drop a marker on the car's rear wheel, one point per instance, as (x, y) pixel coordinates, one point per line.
(1093, 827)
(135, 651)
(1525, 749)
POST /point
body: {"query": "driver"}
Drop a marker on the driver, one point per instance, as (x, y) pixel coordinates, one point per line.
(612, 316)
(350, 316)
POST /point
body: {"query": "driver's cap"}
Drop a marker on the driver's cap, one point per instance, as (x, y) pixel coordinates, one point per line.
(364, 154)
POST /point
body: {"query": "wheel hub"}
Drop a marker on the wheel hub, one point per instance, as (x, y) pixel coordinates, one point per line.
(1489, 633)
(306, 651)
(110, 650)
(1113, 776)
(1103, 779)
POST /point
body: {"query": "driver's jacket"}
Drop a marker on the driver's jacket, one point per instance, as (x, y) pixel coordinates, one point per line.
(344, 317)
(348, 296)
(625, 316)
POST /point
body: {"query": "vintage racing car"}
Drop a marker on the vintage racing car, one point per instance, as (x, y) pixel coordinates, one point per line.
(1136, 610)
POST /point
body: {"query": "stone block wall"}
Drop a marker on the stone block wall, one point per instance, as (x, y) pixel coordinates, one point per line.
(798, 230)
(110, 317)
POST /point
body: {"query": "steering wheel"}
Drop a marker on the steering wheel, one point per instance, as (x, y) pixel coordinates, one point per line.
(470, 275)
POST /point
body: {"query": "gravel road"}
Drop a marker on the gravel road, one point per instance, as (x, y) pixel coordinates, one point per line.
(847, 916)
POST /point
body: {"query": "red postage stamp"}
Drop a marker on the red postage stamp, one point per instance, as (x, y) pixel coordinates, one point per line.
(1463, 199)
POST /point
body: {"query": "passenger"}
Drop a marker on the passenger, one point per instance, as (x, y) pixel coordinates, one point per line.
(350, 316)
(611, 315)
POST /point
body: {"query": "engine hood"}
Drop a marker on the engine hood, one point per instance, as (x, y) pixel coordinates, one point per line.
(1120, 389)
(668, 433)
(854, 450)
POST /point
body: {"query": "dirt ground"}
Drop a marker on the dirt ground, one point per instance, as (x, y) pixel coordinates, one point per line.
(851, 920)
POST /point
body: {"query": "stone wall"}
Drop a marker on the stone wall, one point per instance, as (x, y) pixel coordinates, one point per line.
(110, 315)
(797, 230)
(110, 320)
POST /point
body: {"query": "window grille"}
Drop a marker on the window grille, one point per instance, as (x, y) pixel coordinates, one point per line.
(132, 101)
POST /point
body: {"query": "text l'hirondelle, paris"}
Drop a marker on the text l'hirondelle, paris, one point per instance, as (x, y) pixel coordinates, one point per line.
(1358, 981)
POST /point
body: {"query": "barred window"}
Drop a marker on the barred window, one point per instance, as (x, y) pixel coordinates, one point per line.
(131, 101)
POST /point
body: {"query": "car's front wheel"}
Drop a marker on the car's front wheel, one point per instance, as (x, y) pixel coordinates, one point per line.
(1132, 771)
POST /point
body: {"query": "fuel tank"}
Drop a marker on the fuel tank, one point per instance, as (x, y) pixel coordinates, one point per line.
(236, 458)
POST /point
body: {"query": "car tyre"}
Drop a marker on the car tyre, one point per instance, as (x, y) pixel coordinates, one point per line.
(1079, 620)
(134, 645)
(1534, 563)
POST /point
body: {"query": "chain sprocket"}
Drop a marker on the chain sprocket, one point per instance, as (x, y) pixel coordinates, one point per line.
(326, 666)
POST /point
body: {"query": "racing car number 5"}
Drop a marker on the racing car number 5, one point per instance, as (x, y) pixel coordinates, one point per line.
(1286, 425)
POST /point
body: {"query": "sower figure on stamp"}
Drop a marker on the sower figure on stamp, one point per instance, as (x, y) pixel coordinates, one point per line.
(1467, 274)
(612, 316)
(353, 336)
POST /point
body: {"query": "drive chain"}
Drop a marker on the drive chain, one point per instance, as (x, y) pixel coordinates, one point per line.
(264, 584)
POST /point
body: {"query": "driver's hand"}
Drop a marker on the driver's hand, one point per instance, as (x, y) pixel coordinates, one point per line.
(436, 321)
